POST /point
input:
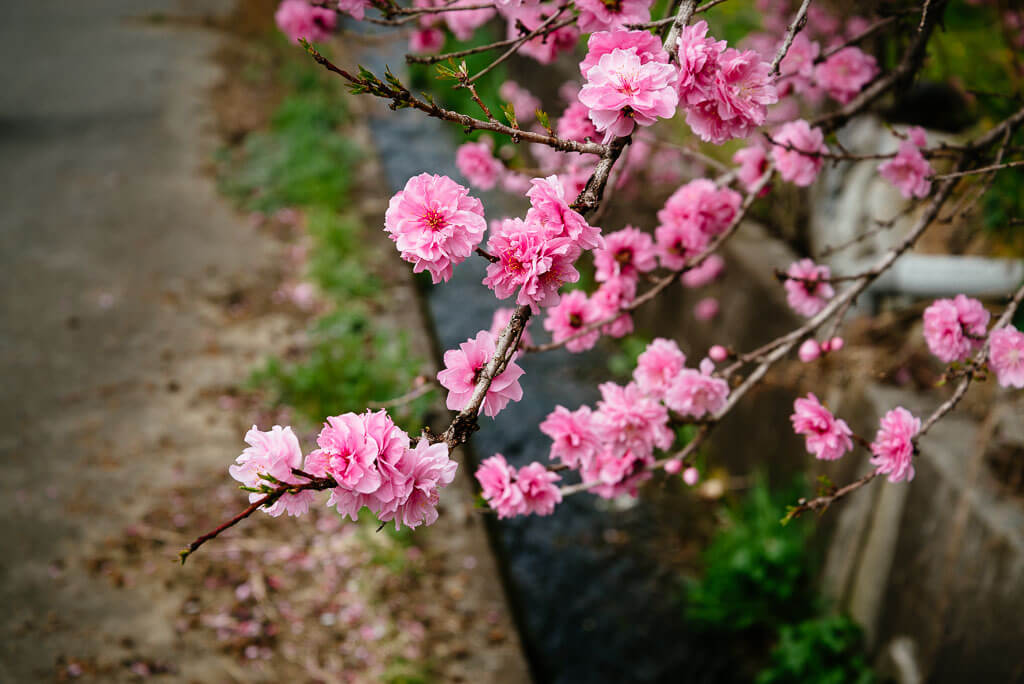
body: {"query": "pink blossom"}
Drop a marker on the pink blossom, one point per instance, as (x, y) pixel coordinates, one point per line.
(573, 313)
(462, 369)
(706, 309)
(793, 138)
(523, 102)
(549, 209)
(298, 19)
(497, 478)
(807, 289)
(500, 320)
(617, 470)
(435, 224)
(622, 92)
(647, 46)
(574, 434)
(598, 15)
(426, 469)
(530, 262)
(955, 328)
(463, 23)
(426, 41)
(697, 393)
(514, 182)
(752, 165)
(833, 345)
(272, 453)
(705, 272)
(691, 217)
(894, 446)
(632, 420)
(544, 48)
(845, 73)
(738, 100)
(347, 454)
(691, 475)
(718, 353)
(698, 63)
(575, 123)
(673, 466)
(909, 171)
(626, 253)
(826, 436)
(658, 366)
(1006, 356)
(477, 163)
(540, 493)
(797, 66)
(809, 351)
(614, 295)
(354, 8)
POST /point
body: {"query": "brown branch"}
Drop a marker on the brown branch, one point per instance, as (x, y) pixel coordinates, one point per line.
(799, 20)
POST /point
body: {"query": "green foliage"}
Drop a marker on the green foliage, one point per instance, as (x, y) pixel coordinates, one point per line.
(757, 573)
(825, 650)
(623, 361)
(338, 265)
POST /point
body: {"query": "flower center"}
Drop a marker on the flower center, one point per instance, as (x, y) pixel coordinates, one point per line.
(434, 219)
(624, 256)
(575, 320)
(614, 6)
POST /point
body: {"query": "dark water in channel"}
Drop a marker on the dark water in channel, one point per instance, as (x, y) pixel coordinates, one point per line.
(592, 603)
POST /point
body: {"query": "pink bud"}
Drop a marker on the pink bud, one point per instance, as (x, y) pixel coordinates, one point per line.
(706, 309)
(674, 466)
(718, 353)
(690, 476)
(809, 351)
(835, 344)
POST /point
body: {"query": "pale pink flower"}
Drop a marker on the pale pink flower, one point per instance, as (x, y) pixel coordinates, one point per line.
(462, 370)
(647, 46)
(623, 92)
(476, 162)
(463, 23)
(691, 475)
(807, 289)
(550, 210)
(697, 393)
(845, 73)
(658, 366)
(1006, 356)
(600, 15)
(909, 171)
(752, 165)
(793, 138)
(435, 224)
(893, 447)
(523, 102)
(426, 469)
(955, 328)
(618, 470)
(691, 217)
(826, 436)
(347, 454)
(611, 297)
(706, 309)
(626, 253)
(633, 420)
(501, 318)
(530, 262)
(698, 63)
(705, 272)
(540, 494)
(575, 124)
(354, 8)
(298, 19)
(272, 453)
(514, 182)
(809, 351)
(738, 100)
(574, 435)
(797, 67)
(497, 479)
(573, 313)
(426, 41)
(544, 48)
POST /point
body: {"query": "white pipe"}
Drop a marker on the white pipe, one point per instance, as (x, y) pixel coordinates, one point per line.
(928, 275)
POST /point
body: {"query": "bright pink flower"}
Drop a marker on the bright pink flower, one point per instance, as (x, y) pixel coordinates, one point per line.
(793, 138)
(540, 493)
(738, 100)
(435, 224)
(611, 297)
(346, 454)
(497, 479)
(809, 351)
(691, 217)
(833, 345)
(632, 420)
(619, 471)
(894, 446)
(845, 73)
(706, 309)
(698, 63)
(523, 102)
(626, 253)
(544, 48)
(501, 318)
(1006, 356)
(530, 262)
(573, 313)
(272, 453)
(462, 369)
(826, 436)
(550, 210)
(647, 45)
(426, 469)
(463, 23)
(909, 171)
(753, 163)
(622, 92)
(718, 353)
(575, 124)
(955, 328)
(601, 15)
(298, 19)
(807, 291)
(426, 41)
(477, 163)
(705, 272)
(354, 8)
(697, 393)
(574, 434)
(658, 366)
